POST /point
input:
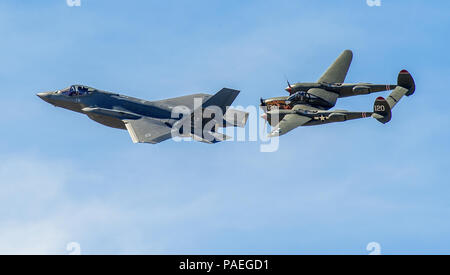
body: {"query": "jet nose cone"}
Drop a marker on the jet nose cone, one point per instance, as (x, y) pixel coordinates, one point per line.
(41, 95)
(44, 96)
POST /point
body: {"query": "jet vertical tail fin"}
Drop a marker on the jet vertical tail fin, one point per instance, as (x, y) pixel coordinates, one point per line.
(222, 99)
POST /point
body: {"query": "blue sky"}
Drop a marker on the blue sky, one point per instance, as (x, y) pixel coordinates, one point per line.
(330, 189)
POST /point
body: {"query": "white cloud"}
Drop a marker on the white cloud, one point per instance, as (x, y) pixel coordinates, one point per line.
(38, 215)
(21, 237)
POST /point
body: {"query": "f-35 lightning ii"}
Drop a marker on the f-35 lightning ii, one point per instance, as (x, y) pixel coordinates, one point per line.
(154, 121)
(310, 103)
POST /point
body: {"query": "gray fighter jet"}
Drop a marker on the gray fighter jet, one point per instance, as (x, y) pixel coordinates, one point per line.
(310, 103)
(154, 121)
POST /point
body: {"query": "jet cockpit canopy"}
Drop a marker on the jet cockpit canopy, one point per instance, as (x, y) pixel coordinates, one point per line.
(76, 90)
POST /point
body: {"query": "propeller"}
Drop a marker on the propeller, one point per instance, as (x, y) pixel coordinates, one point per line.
(289, 88)
(263, 103)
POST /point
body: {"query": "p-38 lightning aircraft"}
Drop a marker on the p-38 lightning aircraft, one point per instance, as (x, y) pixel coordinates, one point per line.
(310, 103)
(153, 121)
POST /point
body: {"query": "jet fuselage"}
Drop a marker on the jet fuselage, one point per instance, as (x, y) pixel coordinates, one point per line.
(104, 107)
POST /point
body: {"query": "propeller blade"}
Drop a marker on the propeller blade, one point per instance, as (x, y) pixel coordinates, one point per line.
(289, 88)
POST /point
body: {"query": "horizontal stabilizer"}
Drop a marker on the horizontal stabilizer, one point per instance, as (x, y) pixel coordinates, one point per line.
(236, 118)
(382, 108)
(395, 96)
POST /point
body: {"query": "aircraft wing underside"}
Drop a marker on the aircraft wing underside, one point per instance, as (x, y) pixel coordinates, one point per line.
(288, 123)
(147, 130)
(292, 121)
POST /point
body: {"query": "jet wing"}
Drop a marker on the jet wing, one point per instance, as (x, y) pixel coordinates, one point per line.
(290, 122)
(187, 100)
(337, 72)
(222, 99)
(147, 130)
